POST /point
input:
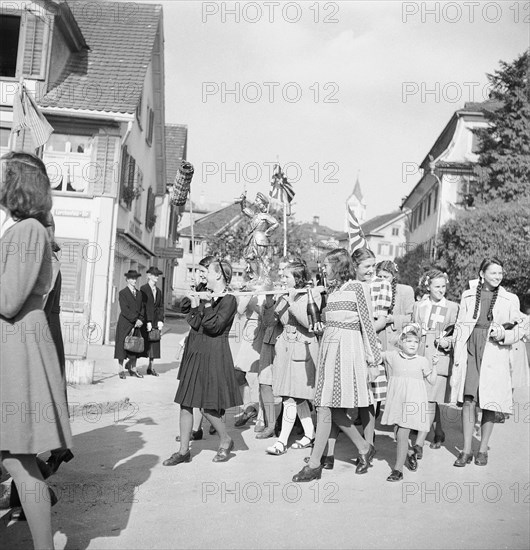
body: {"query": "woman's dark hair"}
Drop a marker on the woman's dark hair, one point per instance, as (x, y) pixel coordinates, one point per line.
(300, 273)
(342, 266)
(360, 255)
(486, 262)
(26, 191)
(207, 260)
(224, 268)
(392, 268)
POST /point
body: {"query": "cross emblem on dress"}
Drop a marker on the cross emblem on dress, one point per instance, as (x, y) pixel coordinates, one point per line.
(437, 316)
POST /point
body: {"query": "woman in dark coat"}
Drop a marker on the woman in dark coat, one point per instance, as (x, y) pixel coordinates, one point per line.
(131, 316)
(154, 315)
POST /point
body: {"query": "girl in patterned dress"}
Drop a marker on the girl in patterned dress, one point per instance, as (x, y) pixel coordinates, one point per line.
(295, 360)
(348, 353)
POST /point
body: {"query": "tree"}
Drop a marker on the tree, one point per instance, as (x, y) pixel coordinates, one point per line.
(499, 229)
(503, 168)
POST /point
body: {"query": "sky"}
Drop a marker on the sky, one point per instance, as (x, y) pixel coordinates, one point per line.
(331, 90)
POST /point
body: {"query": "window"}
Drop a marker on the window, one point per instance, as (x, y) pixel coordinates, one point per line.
(395, 231)
(138, 203)
(150, 216)
(10, 30)
(68, 161)
(128, 178)
(435, 201)
(475, 143)
(150, 126)
(429, 206)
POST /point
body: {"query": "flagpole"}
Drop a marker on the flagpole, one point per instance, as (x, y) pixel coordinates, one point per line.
(285, 229)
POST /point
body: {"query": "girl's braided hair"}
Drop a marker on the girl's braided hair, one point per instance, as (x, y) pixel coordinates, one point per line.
(487, 262)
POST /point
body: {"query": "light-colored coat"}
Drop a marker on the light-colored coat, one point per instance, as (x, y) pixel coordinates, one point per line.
(495, 385)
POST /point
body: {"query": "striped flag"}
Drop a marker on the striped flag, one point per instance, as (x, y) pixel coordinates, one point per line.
(281, 190)
(26, 114)
(355, 233)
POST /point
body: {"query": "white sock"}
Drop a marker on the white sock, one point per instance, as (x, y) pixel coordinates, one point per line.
(288, 418)
(305, 419)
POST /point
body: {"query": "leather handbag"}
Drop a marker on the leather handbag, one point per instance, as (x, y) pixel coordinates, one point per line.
(134, 344)
(154, 335)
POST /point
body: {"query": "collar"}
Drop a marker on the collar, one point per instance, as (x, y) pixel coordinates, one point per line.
(405, 356)
(441, 303)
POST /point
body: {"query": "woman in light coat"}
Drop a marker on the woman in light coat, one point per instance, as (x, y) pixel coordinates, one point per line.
(481, 373)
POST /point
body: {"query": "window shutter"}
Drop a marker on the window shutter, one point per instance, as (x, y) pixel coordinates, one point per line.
(73, 268)
(34, 41)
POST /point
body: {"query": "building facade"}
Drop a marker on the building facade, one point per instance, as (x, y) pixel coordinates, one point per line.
(447, 175)
(100, 84)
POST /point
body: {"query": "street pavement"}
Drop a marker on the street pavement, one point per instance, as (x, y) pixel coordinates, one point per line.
(117, 494)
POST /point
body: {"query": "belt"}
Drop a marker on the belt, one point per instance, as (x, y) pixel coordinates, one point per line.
(340, 324)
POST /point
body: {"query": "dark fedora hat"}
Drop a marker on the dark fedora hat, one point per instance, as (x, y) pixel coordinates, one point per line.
(154, 270)
(132, 274)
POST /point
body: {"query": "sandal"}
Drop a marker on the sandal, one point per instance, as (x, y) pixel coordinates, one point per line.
(299, 445)
(277, 449)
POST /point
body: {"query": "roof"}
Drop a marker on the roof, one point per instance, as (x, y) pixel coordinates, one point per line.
(490, 105)
(109, 77)
(321, 231)
(378, 222)
(176, 141)
(214, 222)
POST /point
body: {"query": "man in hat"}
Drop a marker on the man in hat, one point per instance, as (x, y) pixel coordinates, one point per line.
(131, 316)
(154, 315)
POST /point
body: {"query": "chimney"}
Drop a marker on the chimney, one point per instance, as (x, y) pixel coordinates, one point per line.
(316, 220)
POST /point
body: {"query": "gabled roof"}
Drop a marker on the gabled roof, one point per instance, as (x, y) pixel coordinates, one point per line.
(108, 77)
(176, 141)
(490, 105)
(213, 223)
(377, 223)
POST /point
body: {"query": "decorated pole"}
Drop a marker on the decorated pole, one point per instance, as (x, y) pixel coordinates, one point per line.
(285, 229)
(179, 194)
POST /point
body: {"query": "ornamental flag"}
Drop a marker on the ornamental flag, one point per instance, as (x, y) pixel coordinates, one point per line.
(355, 232)
(281, 190)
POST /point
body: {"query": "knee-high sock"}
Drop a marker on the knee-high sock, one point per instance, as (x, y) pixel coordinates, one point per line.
(305, 419)
(289, 416)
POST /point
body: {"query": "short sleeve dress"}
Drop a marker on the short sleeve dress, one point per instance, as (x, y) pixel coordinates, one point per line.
(406, 401)
(35, 411)
(207, 378)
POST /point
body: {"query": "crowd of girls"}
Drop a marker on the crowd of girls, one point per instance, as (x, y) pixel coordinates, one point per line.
(376, 353)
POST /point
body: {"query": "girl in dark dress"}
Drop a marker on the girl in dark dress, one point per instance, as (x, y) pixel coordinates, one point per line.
(207, 378)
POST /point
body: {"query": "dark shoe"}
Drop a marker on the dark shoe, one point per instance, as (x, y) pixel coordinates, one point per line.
(481, 459)
(245, 417)
(396, 475)
(122, 375)
(152, 372)
(212, 430)
(358, 421)
(365, 461)
(177, 458)
(58, 457)
(327, 462)
(135, 373)
(463, 459)
(438, 440)
(223, 453)
(266, 433)
(308, 474)
(411, 462)
(195, 435)
(499, 419)
(419, 451)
